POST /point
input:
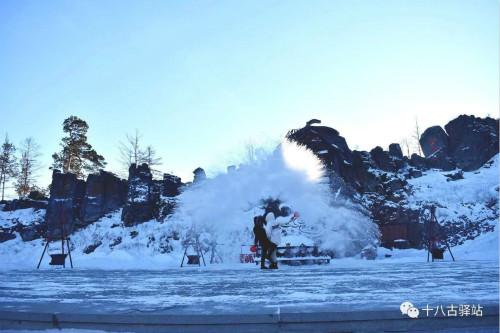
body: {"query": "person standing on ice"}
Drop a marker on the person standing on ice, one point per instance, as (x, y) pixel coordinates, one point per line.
(261, 239)
(273, 230)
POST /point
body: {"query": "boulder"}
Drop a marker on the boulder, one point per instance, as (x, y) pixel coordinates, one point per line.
(455, 176)
(171, 185)
(472, 141)
(434, 143)
(395, 151)
(418, 162)
(434, 139)
(440, 160)
(382, 160)
(6, 235)
(32, 232)
(413, 173)
(92, 247)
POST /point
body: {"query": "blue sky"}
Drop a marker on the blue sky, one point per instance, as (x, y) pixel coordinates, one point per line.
(199, 79)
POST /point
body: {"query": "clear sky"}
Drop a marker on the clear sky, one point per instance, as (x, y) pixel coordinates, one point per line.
(201, 78)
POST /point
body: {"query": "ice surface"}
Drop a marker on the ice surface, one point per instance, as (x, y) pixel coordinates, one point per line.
(344, 285)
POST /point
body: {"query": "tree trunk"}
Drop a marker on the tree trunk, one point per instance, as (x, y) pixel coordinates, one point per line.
(3, 187)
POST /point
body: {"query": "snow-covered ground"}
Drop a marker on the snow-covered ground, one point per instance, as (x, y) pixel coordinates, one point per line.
(157, 245)
(484, 247)
(467, 206)
(143, 247)
(136, 269)
(26, 217)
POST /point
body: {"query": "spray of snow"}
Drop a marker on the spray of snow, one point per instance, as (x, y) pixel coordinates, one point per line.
(222, 208)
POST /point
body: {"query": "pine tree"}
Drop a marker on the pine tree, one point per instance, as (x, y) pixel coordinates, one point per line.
(77, 155)
(27, 168)
(8, 163)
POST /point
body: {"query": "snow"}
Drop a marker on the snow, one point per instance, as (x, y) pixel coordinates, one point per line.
(23, 216)
(142, 251)
(296, 240)
(223, 208)
(472, 201)
(484, 247)
(477, 186)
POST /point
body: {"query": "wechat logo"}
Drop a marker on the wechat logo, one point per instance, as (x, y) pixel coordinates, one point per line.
(408, 309)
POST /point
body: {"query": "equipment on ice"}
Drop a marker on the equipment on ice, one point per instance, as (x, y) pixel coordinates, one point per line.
(435, 237)
(297, 255)
(193, 259)
(58, 259)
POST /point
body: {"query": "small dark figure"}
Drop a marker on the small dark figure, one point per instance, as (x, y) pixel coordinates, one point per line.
(261, 239)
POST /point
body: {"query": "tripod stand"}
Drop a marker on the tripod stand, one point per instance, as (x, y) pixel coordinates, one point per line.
(58, 259)
(435, 236)
(215, 257)
(193, 259)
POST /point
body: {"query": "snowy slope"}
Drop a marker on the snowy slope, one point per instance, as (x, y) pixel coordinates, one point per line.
(25, 217)
(466, 207)
(221, 209)
(147, 245)
(484, 247)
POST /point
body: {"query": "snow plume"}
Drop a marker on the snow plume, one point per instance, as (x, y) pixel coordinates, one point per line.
(221, 209)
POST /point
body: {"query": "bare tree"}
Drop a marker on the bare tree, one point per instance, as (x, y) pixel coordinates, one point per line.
(250, 152)
(130, 150)
(416, 137)
(405, 145)
(8, 163)
(27, 167)
(150, 158)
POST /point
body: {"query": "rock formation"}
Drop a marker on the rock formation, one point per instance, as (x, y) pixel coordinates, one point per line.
(199, 175)
(66, 196)
(143, 196)
(104, 193)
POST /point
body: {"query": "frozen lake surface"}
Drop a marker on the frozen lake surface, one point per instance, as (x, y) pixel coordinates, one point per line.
(341, 286)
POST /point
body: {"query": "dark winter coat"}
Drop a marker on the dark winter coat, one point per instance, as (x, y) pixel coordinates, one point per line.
(260, 233)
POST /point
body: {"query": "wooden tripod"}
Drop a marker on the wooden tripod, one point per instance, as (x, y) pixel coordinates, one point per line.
(58, 259)
(433, 223)
(196, 246)
(215, 256)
